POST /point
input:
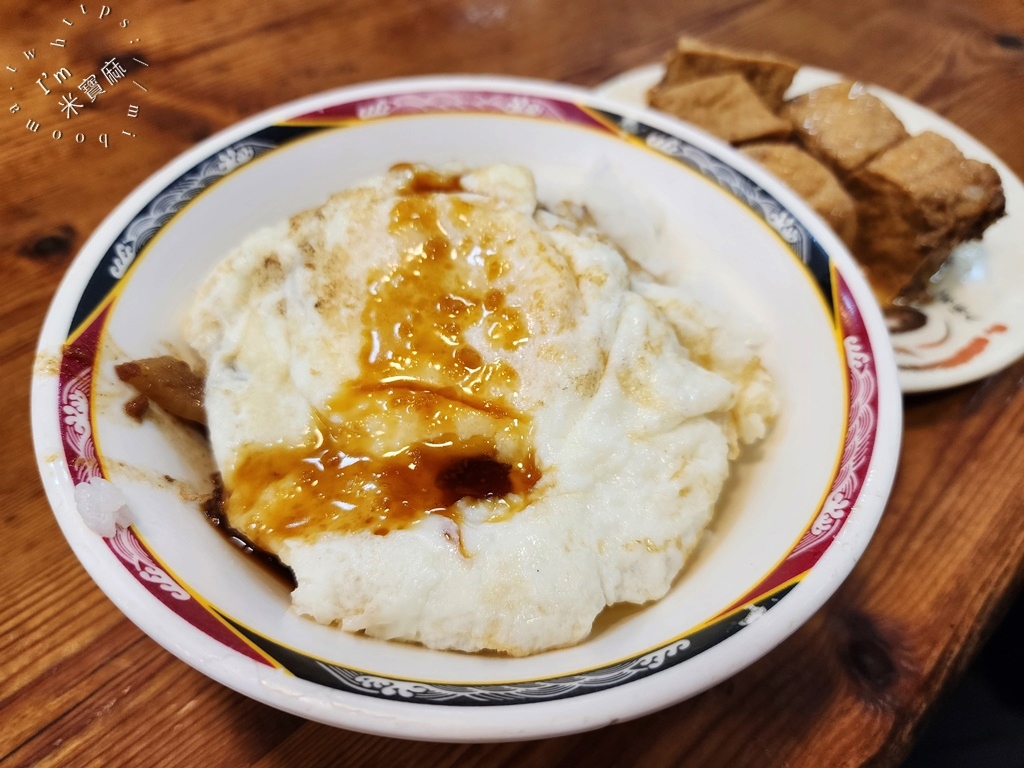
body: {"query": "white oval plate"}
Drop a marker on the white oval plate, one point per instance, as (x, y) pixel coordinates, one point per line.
(791, 526)
(974, 325)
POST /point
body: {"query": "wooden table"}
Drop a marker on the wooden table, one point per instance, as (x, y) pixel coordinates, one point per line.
(80, 685)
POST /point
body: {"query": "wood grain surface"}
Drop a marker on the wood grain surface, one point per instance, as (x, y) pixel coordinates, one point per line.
(80, 685)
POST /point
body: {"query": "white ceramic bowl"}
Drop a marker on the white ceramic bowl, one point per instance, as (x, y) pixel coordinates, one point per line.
(789, 530)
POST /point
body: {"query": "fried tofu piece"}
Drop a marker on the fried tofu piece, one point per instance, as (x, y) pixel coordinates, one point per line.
(812, 181)
(724, 105)
(916, 202)
(843, 125)
(767, 74)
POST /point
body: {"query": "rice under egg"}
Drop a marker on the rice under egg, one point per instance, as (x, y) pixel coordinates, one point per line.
(463, 419)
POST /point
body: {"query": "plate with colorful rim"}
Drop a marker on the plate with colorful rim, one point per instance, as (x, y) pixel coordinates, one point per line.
(790, 528)
(973, 324)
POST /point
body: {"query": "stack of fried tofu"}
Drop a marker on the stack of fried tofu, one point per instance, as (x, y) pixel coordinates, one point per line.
(900, 202)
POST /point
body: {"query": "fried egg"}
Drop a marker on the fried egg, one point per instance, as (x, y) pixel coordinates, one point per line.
(465, 419)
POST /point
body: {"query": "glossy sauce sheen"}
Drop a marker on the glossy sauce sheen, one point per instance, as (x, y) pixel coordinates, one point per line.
(213, 508)
(427, 422)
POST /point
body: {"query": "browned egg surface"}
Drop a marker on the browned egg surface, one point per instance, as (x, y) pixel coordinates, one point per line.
(427, 421)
